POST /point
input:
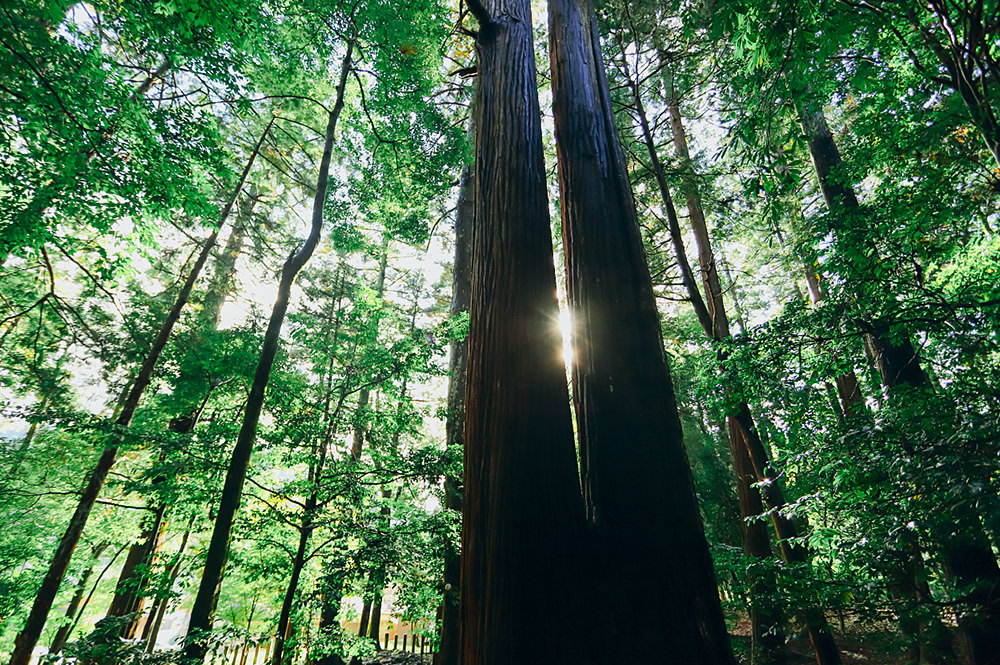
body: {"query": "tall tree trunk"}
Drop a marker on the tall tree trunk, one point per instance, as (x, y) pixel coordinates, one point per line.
(522, 517)
(448, 649)
(309, 511)
(824, 647)
(203, 609)
(965, 551)
(28, 637)
(631, 447)
(130, 590)
(329, 617)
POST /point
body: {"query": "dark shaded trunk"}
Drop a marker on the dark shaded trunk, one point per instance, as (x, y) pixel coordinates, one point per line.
(765, 621)
(366, 610)
(448, 649)
(130, 590)
(631, 448)
(28, 637)
(522, 515)
(203, 609)
(298, 563)
(376, 619)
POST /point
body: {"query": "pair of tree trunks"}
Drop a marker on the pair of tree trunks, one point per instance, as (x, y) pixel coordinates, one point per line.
(964, 550)
(601, 578)
(28, 637)
(203, 610)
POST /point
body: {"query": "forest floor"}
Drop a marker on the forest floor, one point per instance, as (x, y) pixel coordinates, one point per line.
(858, 646)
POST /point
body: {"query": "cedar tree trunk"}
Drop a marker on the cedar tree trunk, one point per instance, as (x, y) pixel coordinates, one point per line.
(652, 564)
(522, 511)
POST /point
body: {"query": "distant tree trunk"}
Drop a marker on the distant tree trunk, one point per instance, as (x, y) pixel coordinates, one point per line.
(965, 551)
(329, 618)
(28, 637)
(366, 611)
(218, 550)
(631, 448)
(448, 650)
(849, 395)
(767, 634)
(364, 394)
(130, 590)
(522, 517)
(159, 608)
(59, 639)
(307, 525)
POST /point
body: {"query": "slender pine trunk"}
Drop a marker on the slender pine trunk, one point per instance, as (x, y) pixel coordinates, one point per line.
(203, 609)
(965, 551)
(28, 637)
(60, 638)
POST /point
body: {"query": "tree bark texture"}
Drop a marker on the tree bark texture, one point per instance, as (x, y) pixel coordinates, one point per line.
(203, 609)
(742, 429)
(652, 569)
(522, 511)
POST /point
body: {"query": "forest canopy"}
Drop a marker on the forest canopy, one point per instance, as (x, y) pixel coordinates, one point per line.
(593, 331)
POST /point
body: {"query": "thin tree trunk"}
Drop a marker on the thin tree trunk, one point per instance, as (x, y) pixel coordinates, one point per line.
(333, 584)
(159, 609)
(765, 623)
(448, 649)
(822, 641)
(523, 516)
(28, 637)
(129, 592)
(631, 445)
(766, 632)
(307, 525)
(59, 640)
(364, 394)
(218, 550)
